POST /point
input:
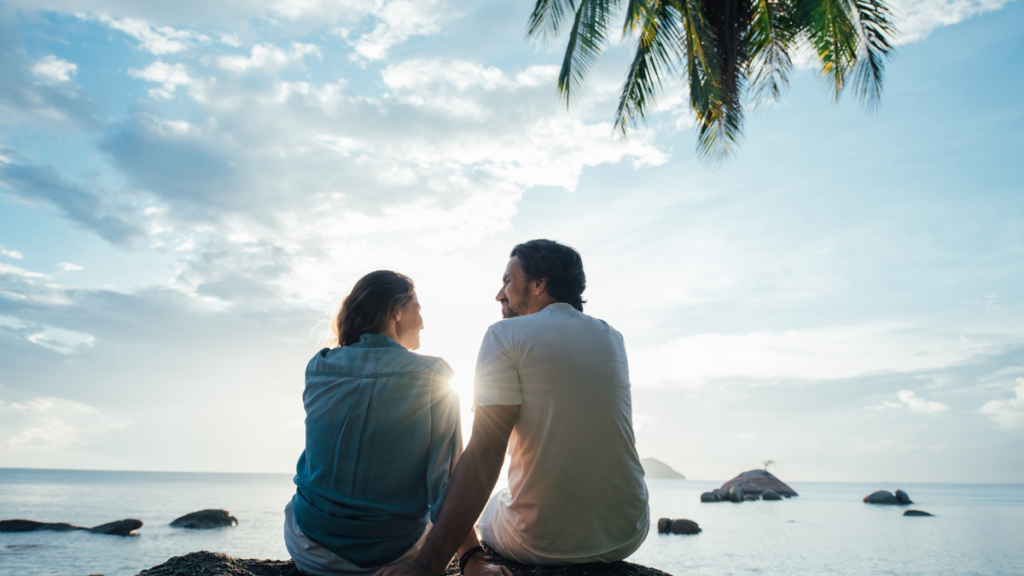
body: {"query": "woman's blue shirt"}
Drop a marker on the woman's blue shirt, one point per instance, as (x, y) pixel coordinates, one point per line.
(383, 435)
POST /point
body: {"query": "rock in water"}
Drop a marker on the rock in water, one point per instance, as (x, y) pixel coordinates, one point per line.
(723, 495)
(205, 519)
(215, 564)
(118, 527)
(903, 497)
(659, 470)
(32, 526)
(682, 526)
(663, 525)
(917, 513)
(736, 494)
(709, 497)
(770, 495)
(757, 481)
(881, 497)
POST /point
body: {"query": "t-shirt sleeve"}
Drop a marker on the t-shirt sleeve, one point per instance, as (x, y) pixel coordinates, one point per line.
(497, 375)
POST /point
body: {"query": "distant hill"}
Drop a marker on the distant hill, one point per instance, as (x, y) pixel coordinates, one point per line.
(658, 469)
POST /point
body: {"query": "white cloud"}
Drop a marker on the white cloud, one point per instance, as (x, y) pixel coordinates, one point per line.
(157, 40)
(918, 404)
(56, 339)
(267, 57)
(69, 267)
(811, 354)
(1008, 414)
(398, 21)
(230, 39)
(169, 76)
(52, 69)
(10, 253)
(916, 19)
(15, 271)
(48, 424)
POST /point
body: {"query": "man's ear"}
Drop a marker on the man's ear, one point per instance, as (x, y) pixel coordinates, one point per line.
(540, 285)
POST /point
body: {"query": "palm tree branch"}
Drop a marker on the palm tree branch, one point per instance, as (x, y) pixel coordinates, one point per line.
(656, 54)
(876, 29)
(588, 33)
(770, 40)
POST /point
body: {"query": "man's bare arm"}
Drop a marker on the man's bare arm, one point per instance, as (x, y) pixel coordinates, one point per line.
(472, 483)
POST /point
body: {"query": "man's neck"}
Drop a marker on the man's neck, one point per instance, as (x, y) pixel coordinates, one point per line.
(543, 301)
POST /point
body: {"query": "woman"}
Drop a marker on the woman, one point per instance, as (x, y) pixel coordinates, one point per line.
(382, 437)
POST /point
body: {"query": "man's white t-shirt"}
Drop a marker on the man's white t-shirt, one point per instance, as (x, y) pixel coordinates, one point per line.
(576, 486)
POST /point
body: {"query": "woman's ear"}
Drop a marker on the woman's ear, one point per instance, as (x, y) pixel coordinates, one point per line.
(398, 315)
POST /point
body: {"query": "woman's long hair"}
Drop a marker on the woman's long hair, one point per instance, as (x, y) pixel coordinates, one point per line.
(370, 307)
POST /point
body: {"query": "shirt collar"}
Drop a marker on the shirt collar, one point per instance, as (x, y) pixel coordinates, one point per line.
(368, 340)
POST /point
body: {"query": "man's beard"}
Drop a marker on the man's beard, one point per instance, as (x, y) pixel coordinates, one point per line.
(520, 309)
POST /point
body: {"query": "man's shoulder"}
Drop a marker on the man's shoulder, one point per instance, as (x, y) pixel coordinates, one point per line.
(554, 321)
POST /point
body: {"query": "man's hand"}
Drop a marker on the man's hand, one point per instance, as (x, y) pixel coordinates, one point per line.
(477, 565)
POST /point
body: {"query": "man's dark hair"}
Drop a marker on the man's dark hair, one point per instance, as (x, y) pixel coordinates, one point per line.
(560, 264)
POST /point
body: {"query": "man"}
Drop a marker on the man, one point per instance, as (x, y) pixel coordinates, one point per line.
(552, 386)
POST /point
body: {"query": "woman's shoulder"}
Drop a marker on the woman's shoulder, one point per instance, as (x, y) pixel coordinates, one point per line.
(398, 360)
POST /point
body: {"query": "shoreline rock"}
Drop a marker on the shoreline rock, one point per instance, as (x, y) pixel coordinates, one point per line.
(677, 526)
(917, 513)
(750, 485)
(217, 564)
(888, 498)
(205, 520)
(124, 527)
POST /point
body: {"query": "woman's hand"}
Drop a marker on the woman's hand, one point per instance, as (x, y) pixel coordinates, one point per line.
(477, 565)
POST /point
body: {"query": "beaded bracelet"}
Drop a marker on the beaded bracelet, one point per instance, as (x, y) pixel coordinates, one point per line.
(465, 557)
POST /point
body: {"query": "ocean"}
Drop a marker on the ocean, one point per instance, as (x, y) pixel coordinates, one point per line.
(977, 528)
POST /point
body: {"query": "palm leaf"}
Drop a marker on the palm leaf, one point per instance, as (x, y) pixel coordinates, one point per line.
(876, 29)
(770, 41)
(656, 53)
(548, 15)
(831, 33)
(588, 33)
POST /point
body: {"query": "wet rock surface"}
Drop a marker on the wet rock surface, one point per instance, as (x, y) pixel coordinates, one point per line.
(884, 497)
(757, 481)
(677, 526)
(116, 528)
(917, 513)
(205, 520)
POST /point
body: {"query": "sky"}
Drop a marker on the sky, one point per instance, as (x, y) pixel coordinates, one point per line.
(188, 189)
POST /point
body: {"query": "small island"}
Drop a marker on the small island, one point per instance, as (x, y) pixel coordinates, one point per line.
(659, 470)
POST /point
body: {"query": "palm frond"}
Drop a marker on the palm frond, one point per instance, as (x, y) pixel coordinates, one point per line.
(770, 41)
(588, 33)
(656, 53)
(876, 29)
(830, 30)
(547, 17)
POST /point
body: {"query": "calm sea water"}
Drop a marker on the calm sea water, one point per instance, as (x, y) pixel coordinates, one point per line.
(978, 529)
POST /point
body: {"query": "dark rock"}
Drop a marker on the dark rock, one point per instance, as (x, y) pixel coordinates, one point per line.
(736, 494)
(118, 527)
(659, 470)
(757, 481)
(709, 497)
(205, 519)
(903, 497)
(663, 525)
(682, 526)
(770, 495)
(881, 497)
(32, 526)
(751, 497)
(216, 564)
(723, 495)
(917, 513)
